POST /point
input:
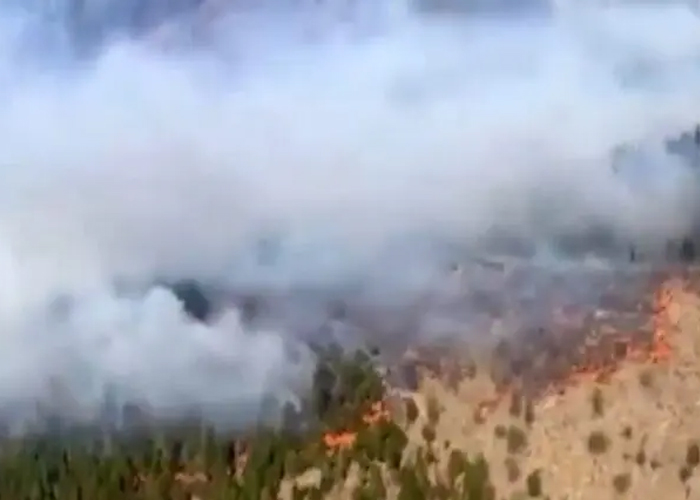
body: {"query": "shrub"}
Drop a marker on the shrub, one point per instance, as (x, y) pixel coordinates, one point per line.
(684, 473)
(529, 415)
(534, 484)
(516, 440)
(476, 480)
(646, 379)
(597, 402)
(440, 491)
(433, 410)
(512, 469)
(375, 483)
(692, 455)
(598, 443)
(409, 486)
(456, 465)
(411, 410)
(421, 470)
(500, 431)
(428, 433)
(516, 404)
(395, 442)
(622, 483)
(627, 432)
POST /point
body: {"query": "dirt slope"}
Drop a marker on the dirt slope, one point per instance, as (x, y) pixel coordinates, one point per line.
(631, 434)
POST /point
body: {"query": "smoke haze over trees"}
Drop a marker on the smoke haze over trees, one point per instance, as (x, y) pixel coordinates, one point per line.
(281, 147)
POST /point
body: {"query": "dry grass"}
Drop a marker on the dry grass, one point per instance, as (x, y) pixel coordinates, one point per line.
(588, 438)
(631, 434)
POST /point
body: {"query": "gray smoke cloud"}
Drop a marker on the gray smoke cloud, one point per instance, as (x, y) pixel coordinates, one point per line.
(357, 142)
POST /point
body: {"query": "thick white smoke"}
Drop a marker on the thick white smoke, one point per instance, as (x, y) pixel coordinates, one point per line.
(172, 154)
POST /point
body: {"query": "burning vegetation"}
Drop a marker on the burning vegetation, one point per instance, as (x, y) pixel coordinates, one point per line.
(415, 428)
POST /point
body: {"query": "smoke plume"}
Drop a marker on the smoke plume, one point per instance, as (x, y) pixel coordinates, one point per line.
(285, 148)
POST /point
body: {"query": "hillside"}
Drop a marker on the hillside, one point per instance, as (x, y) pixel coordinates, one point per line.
(624, 427)
(622, 421)
(602, 404)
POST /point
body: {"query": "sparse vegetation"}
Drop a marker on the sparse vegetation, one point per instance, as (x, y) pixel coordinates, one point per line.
(372, 454)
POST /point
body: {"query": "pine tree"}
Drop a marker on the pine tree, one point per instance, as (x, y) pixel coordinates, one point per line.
(410, 488)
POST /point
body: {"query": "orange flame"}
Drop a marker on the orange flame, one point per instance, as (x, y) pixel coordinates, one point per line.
(599, 369)
(664, 298)
(377, 413)
(339, 440)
